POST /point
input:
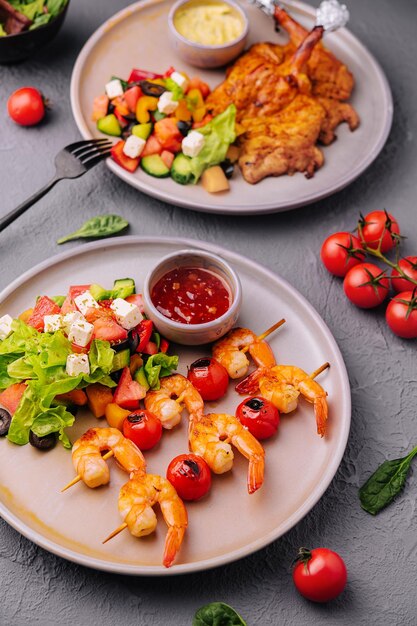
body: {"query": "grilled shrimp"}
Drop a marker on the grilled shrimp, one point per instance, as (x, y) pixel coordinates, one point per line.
(136, 499)
(90, 465)
(282, 385)
(228, 351)
(169, 410)
(209, 437)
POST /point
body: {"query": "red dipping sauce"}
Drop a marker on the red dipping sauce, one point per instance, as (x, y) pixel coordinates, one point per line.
(191, 295)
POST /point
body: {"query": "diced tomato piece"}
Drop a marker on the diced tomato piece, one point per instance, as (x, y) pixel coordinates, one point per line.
(44, 306)
(80, 349)
(197, 83)
(100, 106)
(167, 133)
(11, 397)
(144, 330)
(94, 313)
(107, 329)
(150, 348)
(206, 119)
(137, 75)
(137, 299)
(169, 71)
(132, 96)
(122, 120)
(168, 158)
(120, 105)
(152, 146)
(164, 345)
(129, 164)
(128, 392)
(68, 306)
(105, 304)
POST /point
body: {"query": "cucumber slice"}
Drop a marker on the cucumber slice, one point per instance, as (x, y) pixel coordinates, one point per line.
(120, 360)
(99, 293)
(181, 169)
(109, 125)
(142, 130)
(123, 287)
(140, 378)
(59, 300)
(154, 165)
(157, 115)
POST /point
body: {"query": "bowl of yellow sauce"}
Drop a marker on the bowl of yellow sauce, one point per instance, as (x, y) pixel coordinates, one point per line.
(208, 33)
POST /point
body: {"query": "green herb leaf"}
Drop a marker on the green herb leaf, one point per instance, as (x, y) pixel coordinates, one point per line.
(217, 614)
(96, 227)
(384, 484)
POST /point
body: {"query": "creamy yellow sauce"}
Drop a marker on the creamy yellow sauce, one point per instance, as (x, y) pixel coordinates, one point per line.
(208, 23)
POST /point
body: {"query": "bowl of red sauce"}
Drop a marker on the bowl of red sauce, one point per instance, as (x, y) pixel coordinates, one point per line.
(192, 296)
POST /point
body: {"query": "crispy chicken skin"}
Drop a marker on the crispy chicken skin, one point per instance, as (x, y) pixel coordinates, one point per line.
(288, 98)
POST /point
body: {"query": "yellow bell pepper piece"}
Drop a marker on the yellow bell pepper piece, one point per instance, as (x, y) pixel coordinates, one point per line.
(136, 362)
(144, 105)
(115, 415)
(198, 108)
(26, 315)
(182, 111)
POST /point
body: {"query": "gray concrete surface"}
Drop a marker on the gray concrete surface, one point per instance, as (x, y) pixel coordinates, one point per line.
(380, 552)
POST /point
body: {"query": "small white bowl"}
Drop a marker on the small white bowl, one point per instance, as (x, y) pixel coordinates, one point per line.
(193, 334)
(205, 56)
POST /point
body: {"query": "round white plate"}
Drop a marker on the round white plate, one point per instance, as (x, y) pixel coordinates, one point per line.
(227, 524)
(138, 37)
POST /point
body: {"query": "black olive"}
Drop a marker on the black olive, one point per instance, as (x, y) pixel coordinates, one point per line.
(5, 419)
(116, 375)
(184, 127)
(42, 443)
(228, 168)
(110, 108)
(121, 345)
(151, 89)
(133, 340)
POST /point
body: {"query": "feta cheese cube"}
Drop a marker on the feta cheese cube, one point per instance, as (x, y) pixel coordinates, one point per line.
(77, 364)
(80, 333)
(114, 88)
(5, 326)
(127, 314)
(180, 80)
(133, 146)
(166, 104)
(85, 301)
(193, 143)
(70, 318)
(52, 323)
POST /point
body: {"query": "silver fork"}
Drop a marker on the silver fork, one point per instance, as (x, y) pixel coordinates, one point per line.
(71, 162)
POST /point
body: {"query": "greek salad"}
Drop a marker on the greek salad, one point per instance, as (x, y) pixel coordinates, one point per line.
(166, 129)
(93, 346)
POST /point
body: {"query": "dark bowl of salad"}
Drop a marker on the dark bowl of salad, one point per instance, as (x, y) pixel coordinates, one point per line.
(27, 25)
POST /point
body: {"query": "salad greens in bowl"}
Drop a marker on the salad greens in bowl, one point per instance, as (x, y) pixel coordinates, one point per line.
(27, 25)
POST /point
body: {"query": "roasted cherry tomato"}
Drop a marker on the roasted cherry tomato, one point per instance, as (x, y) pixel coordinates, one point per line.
(340, 252)
(366, 285)
(209, 377)
(319, 575)
(259, 416)
(26, 106)
(143, 428)
(409, 266)
(401, 314)
(379, 227)
(190, 475)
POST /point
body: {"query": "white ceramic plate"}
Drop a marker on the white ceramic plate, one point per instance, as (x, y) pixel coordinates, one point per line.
(138, 37)
(229, 523)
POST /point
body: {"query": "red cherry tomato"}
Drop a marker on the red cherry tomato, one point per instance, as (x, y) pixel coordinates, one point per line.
(379, 226)
(401, 314)
(259, 416)
(26, 106)
(143, 428)
(366, 285)
(319, 575)
(209, 377)
(190, 475)
(409, 266)
(340, 252)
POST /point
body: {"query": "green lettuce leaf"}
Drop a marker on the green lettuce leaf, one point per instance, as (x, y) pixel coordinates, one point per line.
(158, 366)
(2, 32)
(219, 133)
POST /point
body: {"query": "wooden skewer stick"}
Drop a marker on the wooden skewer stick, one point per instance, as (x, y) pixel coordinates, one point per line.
(116, 532)
(181, 397)
(262, 336)
(77, 479)
(320, 369)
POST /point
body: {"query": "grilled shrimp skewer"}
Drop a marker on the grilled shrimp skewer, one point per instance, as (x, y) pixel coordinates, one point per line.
(210, 437)
(168, 409)
(136, 501)
(91, 466)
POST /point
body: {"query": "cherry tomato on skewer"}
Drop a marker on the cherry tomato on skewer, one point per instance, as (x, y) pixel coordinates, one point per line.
(190, 475)
(143, 428)
(259, 416)
(209, 377)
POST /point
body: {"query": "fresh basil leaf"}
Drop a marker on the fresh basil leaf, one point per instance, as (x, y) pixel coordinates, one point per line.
(217, 614)
(96, 227)
(386, 483)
